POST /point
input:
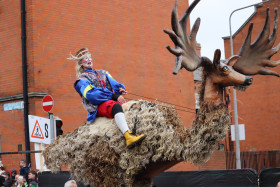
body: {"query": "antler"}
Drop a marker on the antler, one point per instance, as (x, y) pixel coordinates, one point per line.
(256, 56)
(185, 46)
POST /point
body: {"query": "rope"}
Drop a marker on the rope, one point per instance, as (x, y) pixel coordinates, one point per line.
(164, 102)
(161, 101)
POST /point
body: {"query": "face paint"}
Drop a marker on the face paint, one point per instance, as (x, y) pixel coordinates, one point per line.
(87, 61)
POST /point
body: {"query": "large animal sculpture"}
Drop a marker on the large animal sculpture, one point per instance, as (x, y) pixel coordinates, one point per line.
(96, 153)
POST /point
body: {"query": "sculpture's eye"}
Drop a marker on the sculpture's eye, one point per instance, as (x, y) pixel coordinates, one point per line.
(225, 69)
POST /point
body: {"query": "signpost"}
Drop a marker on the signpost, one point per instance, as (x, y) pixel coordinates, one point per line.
(47, 103)
(241, 129)
(39, 129)
(39, 133)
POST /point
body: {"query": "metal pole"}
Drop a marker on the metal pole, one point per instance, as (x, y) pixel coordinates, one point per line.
(237, 145)
(51, 127)
(20, 152)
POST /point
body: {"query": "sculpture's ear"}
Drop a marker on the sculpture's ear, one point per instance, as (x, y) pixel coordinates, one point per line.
(232, 60)
(217, 57)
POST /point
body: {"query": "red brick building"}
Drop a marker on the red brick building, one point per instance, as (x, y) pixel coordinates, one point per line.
(125, 38)
(258, 106)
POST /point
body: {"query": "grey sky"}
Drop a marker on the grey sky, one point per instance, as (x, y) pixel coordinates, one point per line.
(214, 25)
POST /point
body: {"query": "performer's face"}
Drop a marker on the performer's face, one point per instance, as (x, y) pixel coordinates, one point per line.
(87, 62)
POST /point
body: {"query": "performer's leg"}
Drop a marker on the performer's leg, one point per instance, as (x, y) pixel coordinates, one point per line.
(131, 139)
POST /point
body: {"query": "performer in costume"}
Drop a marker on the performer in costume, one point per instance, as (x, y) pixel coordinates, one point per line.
(102, 95)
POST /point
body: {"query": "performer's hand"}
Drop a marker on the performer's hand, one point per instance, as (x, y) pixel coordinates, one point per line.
(121, 100)
(123, 91)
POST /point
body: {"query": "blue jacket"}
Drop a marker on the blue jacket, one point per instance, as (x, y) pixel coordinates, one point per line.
(92, 92)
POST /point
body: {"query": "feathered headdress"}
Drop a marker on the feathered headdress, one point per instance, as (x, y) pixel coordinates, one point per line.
(81, 54)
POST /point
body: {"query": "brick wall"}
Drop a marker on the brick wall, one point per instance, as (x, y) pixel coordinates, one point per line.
(10, 46)
(125, 38)
(258, 107)
(11, 122)
(217, 161)
(12, 134)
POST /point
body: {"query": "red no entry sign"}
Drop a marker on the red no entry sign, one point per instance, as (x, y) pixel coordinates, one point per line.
(47, 103)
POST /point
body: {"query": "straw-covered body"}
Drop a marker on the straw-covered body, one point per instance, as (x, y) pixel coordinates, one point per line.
(96, 153)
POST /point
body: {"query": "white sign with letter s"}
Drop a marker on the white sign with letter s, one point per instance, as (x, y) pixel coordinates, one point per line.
(39, 129)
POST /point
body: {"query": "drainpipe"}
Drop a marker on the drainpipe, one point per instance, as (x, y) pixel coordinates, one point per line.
(24, 80)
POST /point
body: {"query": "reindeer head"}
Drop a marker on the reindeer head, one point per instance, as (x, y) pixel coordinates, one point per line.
(251, 60)
(222, 74)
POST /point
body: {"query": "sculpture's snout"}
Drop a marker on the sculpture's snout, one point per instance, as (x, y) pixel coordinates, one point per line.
(248, 81)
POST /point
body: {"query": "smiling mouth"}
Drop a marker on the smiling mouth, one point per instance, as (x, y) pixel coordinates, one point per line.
(87, 63)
